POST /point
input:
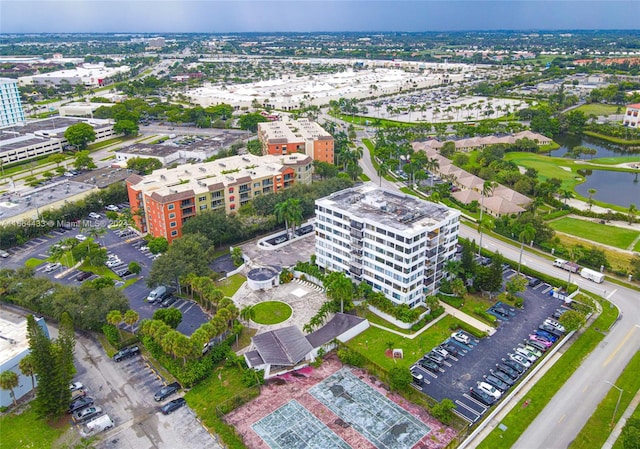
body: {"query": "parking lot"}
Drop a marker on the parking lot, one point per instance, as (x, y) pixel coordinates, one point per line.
(127, 248)
(457, 374)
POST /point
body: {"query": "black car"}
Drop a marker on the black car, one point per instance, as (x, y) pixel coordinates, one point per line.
(84, 275)
(514, 365)
(504, 377)
(429, 365)
(496, 382)
(482, 397)
(451, 349)
(126, 353)
(172, 406)
(80, 403)
(500, 311)
(512, 373)
(168, 301)
(124, 273)
(166, 391)
(304, 230)
(534, 281)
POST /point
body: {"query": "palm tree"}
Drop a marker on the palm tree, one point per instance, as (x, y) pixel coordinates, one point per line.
(382, 170)
(114, 318)
(9, 381)
(339, 287)
(130, 318)
(632, 213)
(574, 254)
(289, 211)
(247, 314)
(566, 194)
(590, 200)
(487, 190)
(526, 235)
(28, 368)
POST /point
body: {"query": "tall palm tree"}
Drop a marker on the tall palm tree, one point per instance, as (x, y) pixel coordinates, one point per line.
(526, 235)
(487, 190)
(382, 170)
(247, 314)
(114, 318)
(9, 381)
(130, 318)
(289, 211)
(28, 368)
(590, 200)
(566, 194)
(632, 213)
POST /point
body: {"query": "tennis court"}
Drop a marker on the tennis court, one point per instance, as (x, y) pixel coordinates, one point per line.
(381, 421)
(293, 427)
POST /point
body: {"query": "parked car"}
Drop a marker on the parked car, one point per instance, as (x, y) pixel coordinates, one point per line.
(84, 275)
(511, 372)
(80, 403)
(124, 273)
(461, 337)
(167, 391)
(429, 365)
(514, 365)
(99, 424)
(534, 281)
(451, 349)
(87, 413)
(546, 335)
(4, 254)
(52, 267)
(552, 330)
(555, 324)
(540, 339)
(173, 405)
(520, 359)
(126, 353)
(489, 389)
(559, 312)
(526, 354)
(168, 301)
(279, 240)
(536, 344)
(417, 377)
(441, 351)
(532, 350)
(435, 357)
(77, 394)
(496, 383)
(94, 216)
(158, 294)
(113, 263)
(482, 397)
(76, 386)
(112, 208)
(500, 311)
(504, 377)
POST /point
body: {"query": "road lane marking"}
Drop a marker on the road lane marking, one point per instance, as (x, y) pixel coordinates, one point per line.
(611, 294)
(586, 387)
(622, 343)
(562, 419)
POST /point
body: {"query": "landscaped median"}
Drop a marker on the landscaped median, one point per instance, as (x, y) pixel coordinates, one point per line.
(521, 416)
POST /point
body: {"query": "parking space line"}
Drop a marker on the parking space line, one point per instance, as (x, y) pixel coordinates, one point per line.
(464, 417)
(475, 412)
(478, 403)
(546, 289)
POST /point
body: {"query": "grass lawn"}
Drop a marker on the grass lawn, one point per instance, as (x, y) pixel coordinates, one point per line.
(617, 259)
(223, 384)
(271, 312)
(373, 343)
(471, 303)
(520, 417)
(615, 160)
(244, 339)
(597, 429)
(635, 415)
(100, 271)
(597, 109)
(637, 247)
(231, 284)
(365, 178)
(608, 235)
(548, 167)
(27, 431)
(33, 262)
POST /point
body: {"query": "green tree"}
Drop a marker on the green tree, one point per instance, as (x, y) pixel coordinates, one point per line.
(443, 411)
(635, 266)
(590, 200)
(126, 127)
(458, 288)
(340, 289)
(572, 320)
(28, 368)
(134, 267)
(57, 158)
(255, 147)
(171, 316)
(448, 149)
(114, 317)
(631, 216)
(143, 165)
(325, 170)
(82, 160)
(526, 235)
(630, 434)
(236, 256)
(289, 211)
(9, 381)
(158, 245)
(487, 190)
(399, 378)
(130, 318)
(247, 314)
(515, 285)
(79, 135)
(250, 121)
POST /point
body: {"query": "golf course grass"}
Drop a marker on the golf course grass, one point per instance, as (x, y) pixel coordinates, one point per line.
(608, 235)
(271, 312)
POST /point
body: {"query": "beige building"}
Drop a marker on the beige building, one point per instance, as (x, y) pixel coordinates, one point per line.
(289, 136)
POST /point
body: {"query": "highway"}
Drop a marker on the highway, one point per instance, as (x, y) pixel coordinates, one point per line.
(568, 411)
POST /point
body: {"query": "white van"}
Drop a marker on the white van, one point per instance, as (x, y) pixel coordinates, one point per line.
(157, 294)
(97, 425)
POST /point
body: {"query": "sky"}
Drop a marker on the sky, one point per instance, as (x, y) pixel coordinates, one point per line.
(224, 16)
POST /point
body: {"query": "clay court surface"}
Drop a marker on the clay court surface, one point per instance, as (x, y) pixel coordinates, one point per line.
(334, 407)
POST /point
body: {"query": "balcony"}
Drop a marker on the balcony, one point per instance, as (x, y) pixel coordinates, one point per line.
(356, 225)
(356, 234)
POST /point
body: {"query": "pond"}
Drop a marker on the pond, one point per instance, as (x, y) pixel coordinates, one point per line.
(603, 148)
(619, 188)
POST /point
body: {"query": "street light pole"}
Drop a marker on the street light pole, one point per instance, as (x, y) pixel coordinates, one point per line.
(615, 412)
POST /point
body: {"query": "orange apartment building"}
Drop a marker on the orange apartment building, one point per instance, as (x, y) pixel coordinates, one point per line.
(169, 197)
(632, 116)
(289, 136)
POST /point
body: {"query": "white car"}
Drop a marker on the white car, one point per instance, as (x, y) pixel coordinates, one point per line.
(526, 354)
(144, 248)
(461, 337)
(520, 359)
(112, 208)
(76, 386)
(94, 215)
(489, 389)
(51, 267)
(554, 324)
(81, 237)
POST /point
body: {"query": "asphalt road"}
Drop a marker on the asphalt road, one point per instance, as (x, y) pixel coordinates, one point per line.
(565, 415)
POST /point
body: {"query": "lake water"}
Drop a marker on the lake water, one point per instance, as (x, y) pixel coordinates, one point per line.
(603, 148)
(612, 187)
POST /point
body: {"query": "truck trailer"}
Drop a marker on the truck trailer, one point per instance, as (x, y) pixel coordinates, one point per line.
(566, 265)
(592, 275)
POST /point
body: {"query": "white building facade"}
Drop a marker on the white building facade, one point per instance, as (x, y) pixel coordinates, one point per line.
(396, 243)
(10, 104)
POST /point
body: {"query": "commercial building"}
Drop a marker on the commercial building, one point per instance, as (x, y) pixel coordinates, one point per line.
(394, 242)
(19, 143)
(289, 136)
(10, 105)
(632, 116)
(89, 75)
(169, 197)
(14, 347)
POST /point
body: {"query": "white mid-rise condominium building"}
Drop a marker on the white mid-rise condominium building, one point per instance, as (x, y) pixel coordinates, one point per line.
(396, 243)
(10, 105)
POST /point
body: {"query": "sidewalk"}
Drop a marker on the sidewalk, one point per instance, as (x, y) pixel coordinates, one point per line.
(615, 433)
